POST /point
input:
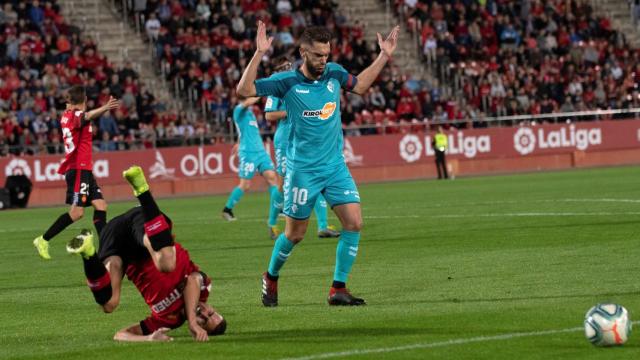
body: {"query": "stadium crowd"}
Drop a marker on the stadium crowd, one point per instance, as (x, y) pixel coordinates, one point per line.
(491, 58)
(205, 45)
(41, 55)
(524, 57)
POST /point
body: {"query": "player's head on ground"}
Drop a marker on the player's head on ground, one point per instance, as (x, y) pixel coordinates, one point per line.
(315, 49)
(77, 97)
(210, 320)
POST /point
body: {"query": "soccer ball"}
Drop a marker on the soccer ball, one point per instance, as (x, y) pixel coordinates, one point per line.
(607, 325)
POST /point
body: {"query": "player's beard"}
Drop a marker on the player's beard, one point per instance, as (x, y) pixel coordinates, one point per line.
(314, 71)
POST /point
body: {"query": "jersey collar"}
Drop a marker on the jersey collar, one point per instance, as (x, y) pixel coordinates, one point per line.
(305, 79)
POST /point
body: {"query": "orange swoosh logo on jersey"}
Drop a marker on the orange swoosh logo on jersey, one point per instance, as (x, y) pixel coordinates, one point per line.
(327, 110)
(323, 114)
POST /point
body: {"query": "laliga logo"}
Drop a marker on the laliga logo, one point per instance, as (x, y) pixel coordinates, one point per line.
(410, 148)
(17, 167)
(327, 110)
(525, 139)
(48, 171)
(459, 144)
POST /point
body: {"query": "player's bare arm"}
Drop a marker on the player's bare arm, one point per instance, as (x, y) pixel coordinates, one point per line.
(191, 295)
(133, 333)
(369, 75)
(246, 86)
(113, 103)
(275, 115)
(116, 273)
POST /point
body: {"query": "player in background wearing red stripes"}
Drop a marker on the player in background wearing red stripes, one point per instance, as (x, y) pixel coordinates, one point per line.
(82, 189)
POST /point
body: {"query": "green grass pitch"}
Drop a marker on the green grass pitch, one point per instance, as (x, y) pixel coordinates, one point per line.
(446, 267)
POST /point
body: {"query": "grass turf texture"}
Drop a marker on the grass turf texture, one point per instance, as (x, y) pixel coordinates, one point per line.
(438, 261)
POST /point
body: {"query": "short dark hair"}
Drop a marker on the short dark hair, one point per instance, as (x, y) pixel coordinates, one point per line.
(76, 95)
(220, 329)
(315, 34)
(282, 63)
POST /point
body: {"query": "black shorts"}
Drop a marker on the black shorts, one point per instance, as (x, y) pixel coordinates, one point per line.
(124, 236)
(82, 188)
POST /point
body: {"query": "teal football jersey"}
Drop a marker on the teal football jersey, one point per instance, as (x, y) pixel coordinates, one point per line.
(248, 130)
(281, 137)
(313, 109)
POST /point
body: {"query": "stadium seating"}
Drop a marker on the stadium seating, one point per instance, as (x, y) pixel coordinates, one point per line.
(513, 58)
(203, 47)
(499, 59)
(40, 56)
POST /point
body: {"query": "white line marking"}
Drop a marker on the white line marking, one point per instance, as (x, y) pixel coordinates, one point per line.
(535, 214)
(199, 220)
(437, 344)
(444, 216)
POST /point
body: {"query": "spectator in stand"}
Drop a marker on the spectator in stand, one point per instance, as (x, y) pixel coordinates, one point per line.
(152, 26)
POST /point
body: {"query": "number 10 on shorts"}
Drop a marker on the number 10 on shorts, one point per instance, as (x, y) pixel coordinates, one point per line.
(300, 195)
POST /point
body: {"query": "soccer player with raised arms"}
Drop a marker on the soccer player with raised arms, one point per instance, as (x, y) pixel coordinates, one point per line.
(275, 110)
(315, 162)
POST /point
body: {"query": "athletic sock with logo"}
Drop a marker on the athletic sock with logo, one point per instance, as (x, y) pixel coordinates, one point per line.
(346, 254)
(156, 225)
(275, 205)
(281, 251)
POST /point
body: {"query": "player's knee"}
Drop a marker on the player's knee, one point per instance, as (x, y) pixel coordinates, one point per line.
(166, 266)
(76, 213)
(271, 177)
(294, 237)
(101, 205)
(244, 185)
(354, 225)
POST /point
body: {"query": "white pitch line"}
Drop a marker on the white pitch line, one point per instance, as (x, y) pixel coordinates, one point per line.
(425, 216)
(535, 214)
(599, 200)
(436, 344)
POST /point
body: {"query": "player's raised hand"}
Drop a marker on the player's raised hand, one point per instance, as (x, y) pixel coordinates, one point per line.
(198, 333)
(388, 46)
(263, 43)
(161, 335)
(113, 103)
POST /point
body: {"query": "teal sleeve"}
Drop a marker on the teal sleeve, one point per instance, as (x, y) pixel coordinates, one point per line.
(347, 81)
(271, 86)
(273, 104)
